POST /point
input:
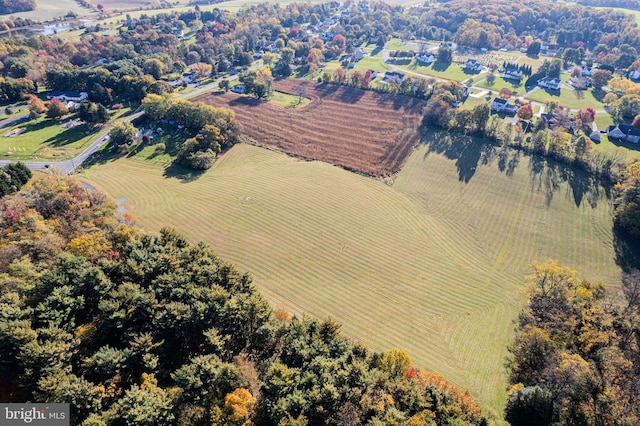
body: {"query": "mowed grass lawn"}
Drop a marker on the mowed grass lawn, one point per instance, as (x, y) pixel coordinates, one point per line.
(451, 71)
(573, 99)
(433, 264)
(44, 139)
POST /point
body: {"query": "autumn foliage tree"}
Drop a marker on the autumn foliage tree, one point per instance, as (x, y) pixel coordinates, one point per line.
(505, 93)
(586, 116)
(525, 112)
(571, 353)
(56, 109)
(600, 78)
(627, 202)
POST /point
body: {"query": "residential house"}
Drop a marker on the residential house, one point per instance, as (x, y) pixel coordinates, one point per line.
(358, 54)
(624, 132)
(513, 74)
(178, 33)
(394, 76)
(554, 120)
(190, 76)
(586, 71)
(550, 83)
(500, 105)
(472, 66)
(239, 88)
(580, 83)
(634, 75)
(68, 96)
(327, 36)
(426, 59)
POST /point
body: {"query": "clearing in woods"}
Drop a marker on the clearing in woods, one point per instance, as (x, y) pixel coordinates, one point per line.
(356, 129)
(433, 264)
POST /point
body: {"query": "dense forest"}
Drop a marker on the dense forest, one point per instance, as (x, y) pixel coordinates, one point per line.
(138, 329)
(12, 6)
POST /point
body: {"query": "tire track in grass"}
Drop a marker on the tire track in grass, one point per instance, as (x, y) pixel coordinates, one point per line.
(505, 245)
(413, 274)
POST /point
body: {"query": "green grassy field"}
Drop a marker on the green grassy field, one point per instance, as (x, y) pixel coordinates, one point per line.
(574, 99)
(499, 83)
(451, 71)
(49, 9)
(433, 263)
(287, 100)
(374, 63)
(396, 44)
(43, 140)
(46, 139)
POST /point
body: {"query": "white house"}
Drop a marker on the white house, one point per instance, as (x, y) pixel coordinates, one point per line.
(634, 75)
(68, 96)
(513, 74)
(586, 71)
(550, 83)
(473, 66)
(425, 59)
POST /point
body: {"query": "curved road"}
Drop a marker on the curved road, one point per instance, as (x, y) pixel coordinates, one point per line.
(69, 166)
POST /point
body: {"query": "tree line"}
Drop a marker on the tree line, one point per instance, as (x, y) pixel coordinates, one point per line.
(7, 7)
(213, 129)
(134, 328)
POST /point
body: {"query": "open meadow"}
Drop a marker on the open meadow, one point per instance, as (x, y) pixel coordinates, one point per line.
(433, 264)
(47, 10)
(356, 129)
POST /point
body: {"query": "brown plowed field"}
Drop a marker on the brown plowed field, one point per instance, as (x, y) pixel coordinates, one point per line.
(359, 130)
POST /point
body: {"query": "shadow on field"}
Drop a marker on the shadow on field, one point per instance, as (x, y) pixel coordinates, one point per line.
(547, 175)
(350, 95)
(246, 101)
(102, 156)
(440, 66)
(69, 136)
(627, 251)
(326, 89)
(466, 150)
(186, 175)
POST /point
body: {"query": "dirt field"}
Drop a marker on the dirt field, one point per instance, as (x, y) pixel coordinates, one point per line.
(359, 130)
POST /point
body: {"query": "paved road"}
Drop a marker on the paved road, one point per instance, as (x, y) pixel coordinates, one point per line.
(69, 166)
